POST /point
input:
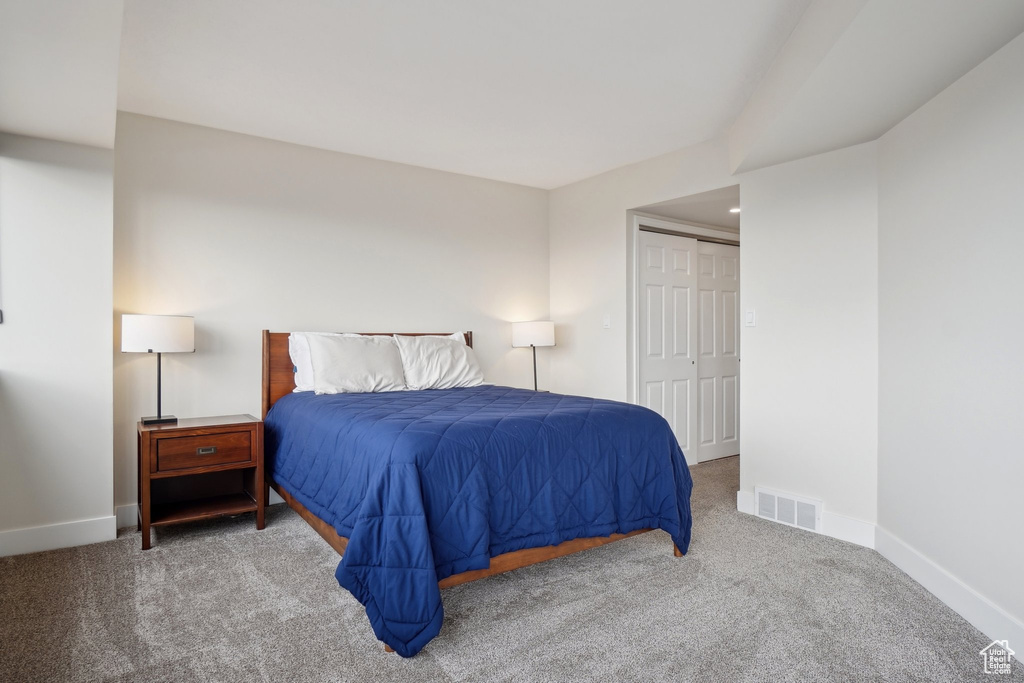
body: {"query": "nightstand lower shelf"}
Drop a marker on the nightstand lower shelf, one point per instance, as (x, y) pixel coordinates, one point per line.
(202, 508)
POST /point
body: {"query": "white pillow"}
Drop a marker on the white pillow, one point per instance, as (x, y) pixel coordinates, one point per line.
(298, 349)
(347, 364)
(438, 362)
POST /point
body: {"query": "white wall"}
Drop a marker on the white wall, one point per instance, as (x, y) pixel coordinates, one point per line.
(810, 367)
(951, 474)
(809, 245)
(589, 255)
(246, 234)
(56, 213)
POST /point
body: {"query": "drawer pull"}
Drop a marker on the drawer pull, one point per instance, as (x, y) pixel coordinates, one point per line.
(208, 450)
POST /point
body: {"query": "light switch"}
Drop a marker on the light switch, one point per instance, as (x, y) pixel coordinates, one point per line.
(751, 318)
(607, 322)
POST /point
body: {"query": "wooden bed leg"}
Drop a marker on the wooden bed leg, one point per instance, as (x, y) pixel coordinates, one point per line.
(675, 550)
(388, 648)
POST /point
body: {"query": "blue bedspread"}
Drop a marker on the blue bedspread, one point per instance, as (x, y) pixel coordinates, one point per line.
(426, 484)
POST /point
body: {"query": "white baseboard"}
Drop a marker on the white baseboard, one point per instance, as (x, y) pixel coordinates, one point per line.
(986, 616)
(837, 526)
(53, 536)
(127, 515)
(848, 529)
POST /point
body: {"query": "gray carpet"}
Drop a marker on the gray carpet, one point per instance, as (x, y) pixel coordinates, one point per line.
(219, 601)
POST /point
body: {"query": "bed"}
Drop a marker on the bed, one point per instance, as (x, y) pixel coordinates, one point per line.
(422, 490)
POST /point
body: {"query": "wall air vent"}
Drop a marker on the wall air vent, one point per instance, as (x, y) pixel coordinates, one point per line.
(785, 508)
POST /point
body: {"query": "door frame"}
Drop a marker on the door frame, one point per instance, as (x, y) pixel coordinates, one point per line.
(671, 227)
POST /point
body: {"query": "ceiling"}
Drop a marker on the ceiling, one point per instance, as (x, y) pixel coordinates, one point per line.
(855, 68)
(705, 209)
(534, 92)
(58, 69)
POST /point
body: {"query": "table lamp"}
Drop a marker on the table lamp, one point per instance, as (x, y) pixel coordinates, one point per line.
(533, 334)
(158, 334)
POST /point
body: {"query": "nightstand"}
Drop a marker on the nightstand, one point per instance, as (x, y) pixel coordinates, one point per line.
(200, 468)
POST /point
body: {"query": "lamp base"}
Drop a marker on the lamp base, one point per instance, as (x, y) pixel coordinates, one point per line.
(160, 420)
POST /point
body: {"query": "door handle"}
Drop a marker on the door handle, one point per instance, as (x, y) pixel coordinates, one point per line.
(207, 450)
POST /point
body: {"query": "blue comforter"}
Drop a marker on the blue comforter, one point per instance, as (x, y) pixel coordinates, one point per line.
(426, 484)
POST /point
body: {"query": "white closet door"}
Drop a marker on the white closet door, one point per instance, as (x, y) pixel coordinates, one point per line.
(718, 359)
(667, 339)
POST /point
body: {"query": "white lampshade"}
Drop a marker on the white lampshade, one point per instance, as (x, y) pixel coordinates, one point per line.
(158, 334)
(537, 333)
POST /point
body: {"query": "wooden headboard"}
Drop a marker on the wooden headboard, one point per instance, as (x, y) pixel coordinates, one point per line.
(279, 373)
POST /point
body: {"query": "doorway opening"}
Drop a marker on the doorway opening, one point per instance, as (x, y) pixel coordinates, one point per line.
(684, 296)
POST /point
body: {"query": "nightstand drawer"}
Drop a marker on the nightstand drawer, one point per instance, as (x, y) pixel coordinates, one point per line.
(203, 451)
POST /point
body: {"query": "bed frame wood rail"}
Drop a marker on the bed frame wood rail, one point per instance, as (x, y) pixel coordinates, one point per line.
(279, 380)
